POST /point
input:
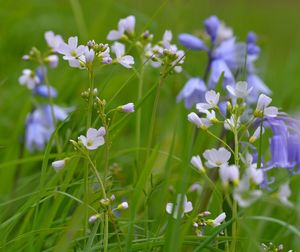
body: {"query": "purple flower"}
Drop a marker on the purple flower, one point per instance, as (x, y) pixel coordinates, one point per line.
(40, 126)
(217, 68)
(192, 42)
(293, 150)
(285, 143)
(251, 38)
(193, 92)
(211, 25)
(278, 147)
(258, 86)
(42, 90)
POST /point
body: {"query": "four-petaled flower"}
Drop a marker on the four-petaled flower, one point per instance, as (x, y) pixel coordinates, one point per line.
(125, 60)
(93, 139)
(71, 52)
(216, 158)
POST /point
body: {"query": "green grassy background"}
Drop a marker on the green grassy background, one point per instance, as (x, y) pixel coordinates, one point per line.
(22, 25)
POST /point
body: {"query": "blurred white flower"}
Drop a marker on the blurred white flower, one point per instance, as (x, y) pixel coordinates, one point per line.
(284, 193)
(125, 25)
(202, 123)
(229, 173)
(240, 90)
(197, 163)
(216, 158)
(58, 165)
(176, 209)
(52, 60)
(262, 107)
(212, 99)
(29, 79)
(218, 221)
(53, 40)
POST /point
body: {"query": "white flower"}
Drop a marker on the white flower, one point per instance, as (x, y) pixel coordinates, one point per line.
(89, 55)
(202, 123)
(125, 60)
(197, 163)
(211, 115)
(232, 124)
(125, 25)
(224, 32)
(243, 195)
(53, 40)
(256, 175)
(167, 37)
(262, 107)
(52, 60)
(128, 108)
(229, 173)
(212, 99)
(284, 193)
(217, 158)
(58, 165)
(71, 52)
(240, 90)
(94, 138)
(178, 210)
(220, 218)
(29, 79)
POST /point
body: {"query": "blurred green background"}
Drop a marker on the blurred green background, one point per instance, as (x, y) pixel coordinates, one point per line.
(24, 22)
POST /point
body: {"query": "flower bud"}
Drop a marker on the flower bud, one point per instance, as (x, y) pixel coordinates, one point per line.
(59, 164)
(93, 218)
(127, 108)
(123, 205)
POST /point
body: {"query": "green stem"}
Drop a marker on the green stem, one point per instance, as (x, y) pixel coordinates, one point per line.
(155, 107)
(58, 146)
(139, 113)
(222, 141)
(106, 232)
(234, 204)
(90, 101)
(94, 168)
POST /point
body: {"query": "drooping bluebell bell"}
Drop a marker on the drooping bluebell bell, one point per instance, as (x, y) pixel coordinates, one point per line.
(40, 125)
(285, 142)
(192, 42)
(192, 92)
(211, 25)
(42, 88)
(228, 57)
(253, 79)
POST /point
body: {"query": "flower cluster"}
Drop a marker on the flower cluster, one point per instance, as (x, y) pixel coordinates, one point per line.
(226, 58)
(40, 122)
(159, 54)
